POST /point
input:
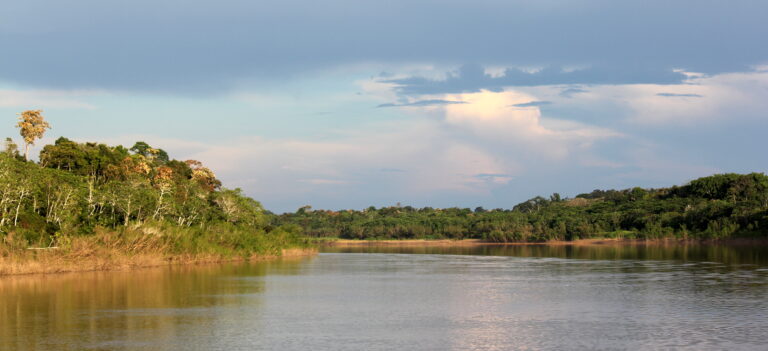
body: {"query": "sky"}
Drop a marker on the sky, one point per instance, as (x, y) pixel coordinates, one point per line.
(348, 104)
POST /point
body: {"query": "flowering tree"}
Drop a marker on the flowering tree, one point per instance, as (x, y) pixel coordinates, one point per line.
(203, 175)
(32, 126)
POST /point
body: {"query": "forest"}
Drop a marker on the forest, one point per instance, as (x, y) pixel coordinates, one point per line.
(133, 199)
(714, 207)
(138, 197)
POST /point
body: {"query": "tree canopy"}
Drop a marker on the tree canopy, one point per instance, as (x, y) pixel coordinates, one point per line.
(718, 206)
(32, 126)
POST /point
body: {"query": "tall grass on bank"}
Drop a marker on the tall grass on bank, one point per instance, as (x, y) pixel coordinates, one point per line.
(142, 245)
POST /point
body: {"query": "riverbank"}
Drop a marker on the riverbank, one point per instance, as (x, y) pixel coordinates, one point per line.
(146, 245)
(54, 262)
(582, 242)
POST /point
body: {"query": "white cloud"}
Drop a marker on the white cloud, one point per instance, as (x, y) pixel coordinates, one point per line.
(704, 99)
(40, 99)
(492, 116)
(495, 71)
(701, 99)
(483, 146)
(428, 160)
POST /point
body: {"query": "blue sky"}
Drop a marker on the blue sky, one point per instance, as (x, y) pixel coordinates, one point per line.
(346, 104)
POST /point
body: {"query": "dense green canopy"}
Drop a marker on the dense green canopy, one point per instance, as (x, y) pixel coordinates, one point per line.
(80, 187)
(719, 206)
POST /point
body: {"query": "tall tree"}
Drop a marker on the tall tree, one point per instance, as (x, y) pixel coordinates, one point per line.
(32, 126)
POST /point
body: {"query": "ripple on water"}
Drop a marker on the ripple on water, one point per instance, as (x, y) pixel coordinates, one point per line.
(504, 298)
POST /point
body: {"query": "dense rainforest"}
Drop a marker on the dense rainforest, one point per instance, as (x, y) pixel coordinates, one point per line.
(714, 207)
(131, 199)
(136, 198)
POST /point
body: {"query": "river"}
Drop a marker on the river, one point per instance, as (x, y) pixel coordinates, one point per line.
(536, 297)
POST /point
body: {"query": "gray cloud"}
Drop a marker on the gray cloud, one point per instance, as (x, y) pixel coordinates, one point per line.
(491, 175)
(569, 92)
(392, 170)
(533, 104)
(679, 95)
(423, 103)
(209, 47)
(472, 78)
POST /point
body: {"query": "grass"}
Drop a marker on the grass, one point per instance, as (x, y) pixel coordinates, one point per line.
(145, 245)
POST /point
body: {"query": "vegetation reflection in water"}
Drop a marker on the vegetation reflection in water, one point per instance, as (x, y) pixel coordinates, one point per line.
(726, 254)
(485, 297)
(67, 311)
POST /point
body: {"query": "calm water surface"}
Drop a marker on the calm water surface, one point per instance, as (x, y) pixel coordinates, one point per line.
(484, 298)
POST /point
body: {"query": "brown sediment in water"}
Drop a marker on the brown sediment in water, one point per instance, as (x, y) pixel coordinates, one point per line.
(53, 261)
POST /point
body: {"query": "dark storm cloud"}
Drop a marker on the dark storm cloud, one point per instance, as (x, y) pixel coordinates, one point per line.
(208, 47)
(472, 78)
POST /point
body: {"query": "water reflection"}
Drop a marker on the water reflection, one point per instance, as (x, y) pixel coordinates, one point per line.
(728, 254)
(693, 297)
(96, 309)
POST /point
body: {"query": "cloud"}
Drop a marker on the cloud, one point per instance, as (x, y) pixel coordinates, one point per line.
(487, 115)
(419, 159)
(420, 103)
(679, 95)
(466, 150)
(533, 104)
(210, 48)
(473, 78)
(495, 178)
(720, 98)
(323, 181)
(710, 99)
(41, 99)
(569, 92)
(393, 170)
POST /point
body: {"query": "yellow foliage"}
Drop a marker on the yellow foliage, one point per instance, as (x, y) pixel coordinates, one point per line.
(135, 165)
(164, 177)
(32, 125)
(203, 175)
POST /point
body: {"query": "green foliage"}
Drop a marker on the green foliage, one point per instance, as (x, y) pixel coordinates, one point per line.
(81, 188)
(143, 149)
(89, 159)
(720, 206)
(11, 150)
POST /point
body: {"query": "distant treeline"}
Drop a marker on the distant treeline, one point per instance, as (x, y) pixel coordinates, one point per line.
(719, 206)
(78, 189)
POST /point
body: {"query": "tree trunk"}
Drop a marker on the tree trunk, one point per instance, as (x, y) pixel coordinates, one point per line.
(18, 207)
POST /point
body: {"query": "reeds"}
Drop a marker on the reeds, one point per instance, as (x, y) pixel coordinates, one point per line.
(146, 245)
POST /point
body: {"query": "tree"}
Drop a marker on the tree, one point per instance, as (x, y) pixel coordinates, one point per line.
(11, 149)
(32, 126)
(164, 182)
(143, 149)
(204, 176)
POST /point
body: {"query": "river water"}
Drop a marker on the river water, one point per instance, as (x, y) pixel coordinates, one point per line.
(469, 298)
